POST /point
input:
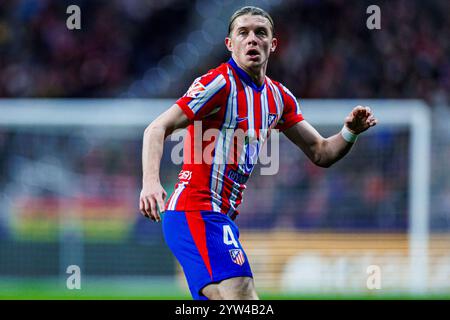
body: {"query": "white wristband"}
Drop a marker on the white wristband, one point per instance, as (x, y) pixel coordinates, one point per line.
(348, 136)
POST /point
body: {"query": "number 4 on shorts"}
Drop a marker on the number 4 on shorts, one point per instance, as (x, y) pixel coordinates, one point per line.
(228, 236)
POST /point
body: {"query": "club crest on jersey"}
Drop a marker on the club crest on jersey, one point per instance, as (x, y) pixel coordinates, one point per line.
(237, 256)
(272, 117)
(195, 89)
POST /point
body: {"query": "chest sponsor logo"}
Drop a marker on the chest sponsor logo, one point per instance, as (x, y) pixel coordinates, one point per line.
(237, 177)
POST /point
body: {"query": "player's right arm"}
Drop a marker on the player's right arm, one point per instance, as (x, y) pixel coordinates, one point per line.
(202, 97)
(153, 194)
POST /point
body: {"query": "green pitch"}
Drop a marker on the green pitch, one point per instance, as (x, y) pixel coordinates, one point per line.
(125, 289)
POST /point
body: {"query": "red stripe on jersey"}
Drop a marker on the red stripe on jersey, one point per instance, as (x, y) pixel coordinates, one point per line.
(242, 101)
(188, 147)
(257, 111)
(198, 102)
(198, 232)
(290, 115)
(241, 117)
(224, 86)
(271, 100)
(189, 113)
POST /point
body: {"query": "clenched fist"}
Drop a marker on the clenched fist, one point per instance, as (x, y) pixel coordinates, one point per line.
(360, 119)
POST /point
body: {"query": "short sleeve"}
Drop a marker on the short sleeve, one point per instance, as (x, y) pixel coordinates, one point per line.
(291, 112)
(204, 95)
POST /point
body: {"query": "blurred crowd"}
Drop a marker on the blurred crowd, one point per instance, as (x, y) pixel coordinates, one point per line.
(325, 49)
(118, 40)
(45, 164)
(369, 190)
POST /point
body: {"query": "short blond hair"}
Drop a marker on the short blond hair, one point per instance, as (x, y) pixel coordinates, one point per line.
(254, 11)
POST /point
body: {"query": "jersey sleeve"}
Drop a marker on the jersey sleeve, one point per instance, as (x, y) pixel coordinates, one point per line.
(291, 112)
(204, 95)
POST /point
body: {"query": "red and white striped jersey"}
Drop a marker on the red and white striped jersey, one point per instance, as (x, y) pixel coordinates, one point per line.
(227, 100)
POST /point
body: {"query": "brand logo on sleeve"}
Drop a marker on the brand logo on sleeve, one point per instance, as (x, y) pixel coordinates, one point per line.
(195, 89)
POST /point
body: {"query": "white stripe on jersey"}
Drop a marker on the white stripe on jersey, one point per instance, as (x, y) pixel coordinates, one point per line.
(176, 195)
(220, 153)
(233, 198)
(250, 114)
(278, 99)
(264, 114)
(251, 133)
(293, 98)
(210, 90)
(264, 126)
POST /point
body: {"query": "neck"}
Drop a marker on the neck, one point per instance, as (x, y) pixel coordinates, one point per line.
(258, 73)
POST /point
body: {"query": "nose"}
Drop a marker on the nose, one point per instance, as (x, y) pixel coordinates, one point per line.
(251, 38)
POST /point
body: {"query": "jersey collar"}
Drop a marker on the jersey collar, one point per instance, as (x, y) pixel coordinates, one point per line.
(245, 77)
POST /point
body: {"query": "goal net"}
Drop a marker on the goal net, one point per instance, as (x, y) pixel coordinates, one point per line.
(71, 177)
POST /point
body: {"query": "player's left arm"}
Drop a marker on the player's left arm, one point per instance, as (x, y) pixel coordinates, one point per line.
(326, 151)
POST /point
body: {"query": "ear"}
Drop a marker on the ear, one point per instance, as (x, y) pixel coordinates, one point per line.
(228, 44)
(274, 44)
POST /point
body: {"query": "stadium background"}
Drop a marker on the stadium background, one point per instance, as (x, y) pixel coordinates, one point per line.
(69, 195)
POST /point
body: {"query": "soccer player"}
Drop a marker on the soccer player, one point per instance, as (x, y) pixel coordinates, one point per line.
(198, 220)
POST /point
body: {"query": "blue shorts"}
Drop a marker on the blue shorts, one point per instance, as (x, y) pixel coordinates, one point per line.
(207, 246)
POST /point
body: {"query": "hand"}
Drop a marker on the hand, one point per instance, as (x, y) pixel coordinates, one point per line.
(360, 119)
(152, 195)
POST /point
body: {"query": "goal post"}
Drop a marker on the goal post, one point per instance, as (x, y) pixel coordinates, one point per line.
(416, 115)
(136, 114)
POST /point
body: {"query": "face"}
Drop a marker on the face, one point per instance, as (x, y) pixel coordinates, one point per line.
(251, 41)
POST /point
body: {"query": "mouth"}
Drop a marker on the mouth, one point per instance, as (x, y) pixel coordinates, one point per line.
(252, 54)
